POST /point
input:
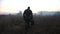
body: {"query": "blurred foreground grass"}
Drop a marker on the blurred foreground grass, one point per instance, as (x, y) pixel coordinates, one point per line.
(43, 25)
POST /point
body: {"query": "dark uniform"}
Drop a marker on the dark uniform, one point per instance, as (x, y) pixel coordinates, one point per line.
(28, 17)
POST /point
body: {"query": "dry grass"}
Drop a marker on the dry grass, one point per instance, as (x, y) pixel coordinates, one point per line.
(43, 25)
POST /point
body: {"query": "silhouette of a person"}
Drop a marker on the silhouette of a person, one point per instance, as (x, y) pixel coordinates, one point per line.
(28, 17)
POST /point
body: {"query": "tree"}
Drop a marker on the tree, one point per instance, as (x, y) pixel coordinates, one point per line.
(20, 13)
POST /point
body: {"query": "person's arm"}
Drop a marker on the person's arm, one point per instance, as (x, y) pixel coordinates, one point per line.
(31, 14)
(24, 13)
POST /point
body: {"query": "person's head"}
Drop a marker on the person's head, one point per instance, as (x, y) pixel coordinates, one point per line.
(28, 8)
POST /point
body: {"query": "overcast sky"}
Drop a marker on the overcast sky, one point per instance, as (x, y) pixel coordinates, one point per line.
(14, 6)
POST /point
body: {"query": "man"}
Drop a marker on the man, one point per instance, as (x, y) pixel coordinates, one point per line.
(28, 17)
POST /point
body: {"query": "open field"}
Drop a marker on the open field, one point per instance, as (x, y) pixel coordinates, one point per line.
(43, 25)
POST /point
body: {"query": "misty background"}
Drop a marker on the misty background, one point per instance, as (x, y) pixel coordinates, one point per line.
(46, 16)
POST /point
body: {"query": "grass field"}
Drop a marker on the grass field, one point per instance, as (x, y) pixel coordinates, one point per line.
(43, 25)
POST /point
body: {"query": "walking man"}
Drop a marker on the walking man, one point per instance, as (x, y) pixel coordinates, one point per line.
(28, 17)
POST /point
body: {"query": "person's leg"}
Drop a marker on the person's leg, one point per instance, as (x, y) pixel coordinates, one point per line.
(32, 22)
(27, 25)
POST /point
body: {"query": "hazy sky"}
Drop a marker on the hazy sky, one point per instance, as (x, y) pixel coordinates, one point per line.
(14, 6)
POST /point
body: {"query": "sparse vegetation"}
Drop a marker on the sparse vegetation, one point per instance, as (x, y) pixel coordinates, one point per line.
(43, 25)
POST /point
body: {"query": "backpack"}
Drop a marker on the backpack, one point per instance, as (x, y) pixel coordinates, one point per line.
(27, 15)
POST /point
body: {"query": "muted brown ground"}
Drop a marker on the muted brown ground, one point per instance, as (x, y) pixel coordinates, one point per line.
(43, 25)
